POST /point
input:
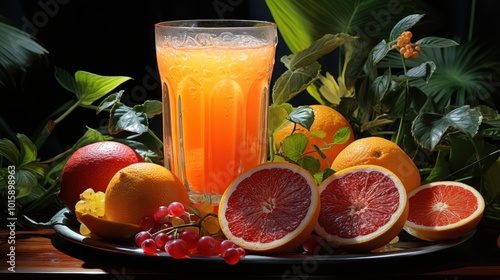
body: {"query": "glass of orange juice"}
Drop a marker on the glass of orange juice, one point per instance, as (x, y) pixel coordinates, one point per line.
(215, 77)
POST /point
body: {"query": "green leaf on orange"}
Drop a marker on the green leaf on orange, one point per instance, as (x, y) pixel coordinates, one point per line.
(341, 136)
(277, 116)
(294, 146)
(303, 115)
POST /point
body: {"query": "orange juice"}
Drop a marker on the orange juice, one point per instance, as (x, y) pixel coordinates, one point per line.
(215, 101)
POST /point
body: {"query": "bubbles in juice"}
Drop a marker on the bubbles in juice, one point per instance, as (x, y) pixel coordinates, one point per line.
(215, 98)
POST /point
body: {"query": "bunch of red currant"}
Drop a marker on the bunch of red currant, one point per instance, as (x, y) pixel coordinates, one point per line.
(406, 48)
(181, 234)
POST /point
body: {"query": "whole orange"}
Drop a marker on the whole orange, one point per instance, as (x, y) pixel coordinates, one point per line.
(382, 152)
(92, 166)
(137, 190)
(329, 121)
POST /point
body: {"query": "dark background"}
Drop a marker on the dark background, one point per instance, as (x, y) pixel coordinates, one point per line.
(110, 37)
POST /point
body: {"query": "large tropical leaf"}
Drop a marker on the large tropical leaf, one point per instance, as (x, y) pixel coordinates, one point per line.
(302, 22)
(17, 51)
(464, 75)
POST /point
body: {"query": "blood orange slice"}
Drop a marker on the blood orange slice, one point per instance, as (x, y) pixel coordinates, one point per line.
(362, 208)
(445, 210)
(270, 209)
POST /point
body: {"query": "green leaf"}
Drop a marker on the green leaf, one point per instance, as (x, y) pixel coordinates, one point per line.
(26, 181)
(90, 136)
(458, 144)
(124, 118)
(424, 71)
(302, 22)
(9, 151)
(379, 52)
(303, 115)
(292, 82)
(28, 150)
(18, 50)
(152, 108)
(316, 50)
(317, 133)
(436, 42)
(341, 136)
(66, 80)
(440, 170)
(309, 163)
(294, 146)
(110, 101)
(403, 25)
(492, 182)
(35, 167)
(327, 173)
(144, 145)
(91, 87)
(429, 128)
(381, 86)
(277, 117)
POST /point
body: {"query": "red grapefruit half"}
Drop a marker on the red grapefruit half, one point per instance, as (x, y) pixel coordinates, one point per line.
(270, 209)
(362, 208)
(444, 210)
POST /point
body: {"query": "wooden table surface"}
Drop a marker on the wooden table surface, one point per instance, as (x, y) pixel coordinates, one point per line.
(43, 254)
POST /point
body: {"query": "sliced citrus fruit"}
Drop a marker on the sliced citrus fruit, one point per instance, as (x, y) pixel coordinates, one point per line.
(444, 210)
(270, 209)
(362, 208)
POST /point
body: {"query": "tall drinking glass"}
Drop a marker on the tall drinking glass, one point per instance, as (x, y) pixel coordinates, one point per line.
(215, 77)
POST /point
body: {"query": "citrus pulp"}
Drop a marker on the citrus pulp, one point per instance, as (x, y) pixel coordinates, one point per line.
(272, 208)
(444, 210)
(362, 208)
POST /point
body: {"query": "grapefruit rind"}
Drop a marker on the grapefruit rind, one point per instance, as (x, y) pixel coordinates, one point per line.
(385, 233)
(450, 231)
(287, 243)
